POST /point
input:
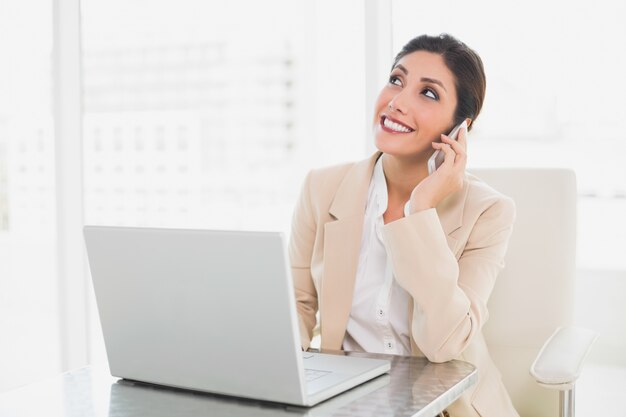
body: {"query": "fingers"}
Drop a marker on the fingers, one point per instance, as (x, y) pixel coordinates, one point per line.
(459, 146)
(449, 154)
(454, 151)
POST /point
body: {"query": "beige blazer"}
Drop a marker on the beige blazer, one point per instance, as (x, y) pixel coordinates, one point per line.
(446, 258)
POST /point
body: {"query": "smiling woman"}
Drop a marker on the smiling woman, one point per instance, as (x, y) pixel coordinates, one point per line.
(462, 63)
(415, 105)
(399, 261)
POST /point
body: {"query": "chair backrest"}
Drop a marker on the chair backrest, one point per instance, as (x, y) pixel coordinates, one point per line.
(534, 294)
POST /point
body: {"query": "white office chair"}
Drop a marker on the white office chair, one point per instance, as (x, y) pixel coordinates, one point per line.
(534, 294)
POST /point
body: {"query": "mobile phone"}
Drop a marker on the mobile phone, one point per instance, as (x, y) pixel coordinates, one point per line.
(438, 156)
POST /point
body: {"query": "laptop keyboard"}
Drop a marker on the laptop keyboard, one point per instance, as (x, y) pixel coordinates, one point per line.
(313, 374)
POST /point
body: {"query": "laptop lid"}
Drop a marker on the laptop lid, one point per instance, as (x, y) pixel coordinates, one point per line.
(198, 309)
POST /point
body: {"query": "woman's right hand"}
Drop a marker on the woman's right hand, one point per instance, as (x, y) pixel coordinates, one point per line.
(447, 179)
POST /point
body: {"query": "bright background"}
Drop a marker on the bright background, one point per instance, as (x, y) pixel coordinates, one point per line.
(191, 113)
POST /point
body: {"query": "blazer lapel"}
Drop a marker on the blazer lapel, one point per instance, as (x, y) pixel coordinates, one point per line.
(342, 245)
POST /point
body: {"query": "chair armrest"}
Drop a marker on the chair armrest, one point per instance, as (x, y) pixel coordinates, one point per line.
(560, 360)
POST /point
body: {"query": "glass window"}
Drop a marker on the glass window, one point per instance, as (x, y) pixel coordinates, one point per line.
(29, 326)
(209, 114)
(199, 114)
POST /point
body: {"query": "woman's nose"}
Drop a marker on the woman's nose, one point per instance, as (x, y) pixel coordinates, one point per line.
(397, 104)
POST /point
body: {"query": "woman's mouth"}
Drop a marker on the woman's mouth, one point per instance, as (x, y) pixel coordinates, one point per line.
(393, 126)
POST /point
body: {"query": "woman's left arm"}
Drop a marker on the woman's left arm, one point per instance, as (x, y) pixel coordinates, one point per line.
(450, 297)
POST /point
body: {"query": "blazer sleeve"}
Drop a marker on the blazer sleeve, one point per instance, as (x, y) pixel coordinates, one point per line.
(450, 297)
(301, 243)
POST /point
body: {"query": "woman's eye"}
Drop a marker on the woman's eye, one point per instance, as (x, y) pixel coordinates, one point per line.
(394, 80)
(430, 93)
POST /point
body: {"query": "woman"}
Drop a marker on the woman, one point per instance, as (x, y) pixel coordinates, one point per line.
(399, 261)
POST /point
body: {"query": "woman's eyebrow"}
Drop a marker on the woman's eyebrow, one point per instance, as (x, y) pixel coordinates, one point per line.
(401, 68)
(423, 79)
(433, 81)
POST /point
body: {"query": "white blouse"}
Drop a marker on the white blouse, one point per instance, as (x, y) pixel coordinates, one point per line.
(379, 319)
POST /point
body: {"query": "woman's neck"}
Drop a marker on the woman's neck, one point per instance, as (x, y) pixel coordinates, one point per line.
(403, 175)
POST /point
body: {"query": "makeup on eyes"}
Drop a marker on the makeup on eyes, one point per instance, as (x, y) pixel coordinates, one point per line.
(436, 96)
(395, 77)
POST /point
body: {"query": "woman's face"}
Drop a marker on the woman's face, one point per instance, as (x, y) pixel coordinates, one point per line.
(415, 106)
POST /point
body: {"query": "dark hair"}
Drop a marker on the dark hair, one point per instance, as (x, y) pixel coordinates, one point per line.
(463, 62)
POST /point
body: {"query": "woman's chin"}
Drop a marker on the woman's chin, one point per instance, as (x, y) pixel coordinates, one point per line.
(400, 150)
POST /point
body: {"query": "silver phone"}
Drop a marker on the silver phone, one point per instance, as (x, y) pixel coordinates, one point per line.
(438, 156)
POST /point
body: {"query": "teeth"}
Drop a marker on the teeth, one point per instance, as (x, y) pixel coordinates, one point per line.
(395, 126)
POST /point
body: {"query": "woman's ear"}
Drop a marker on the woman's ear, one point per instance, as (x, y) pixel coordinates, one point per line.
(469, 122)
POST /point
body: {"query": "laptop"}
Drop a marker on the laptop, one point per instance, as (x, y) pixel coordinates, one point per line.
(211, 311)
(145, 398)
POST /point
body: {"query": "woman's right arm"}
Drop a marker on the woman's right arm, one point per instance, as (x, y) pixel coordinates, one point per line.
(301, 242)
